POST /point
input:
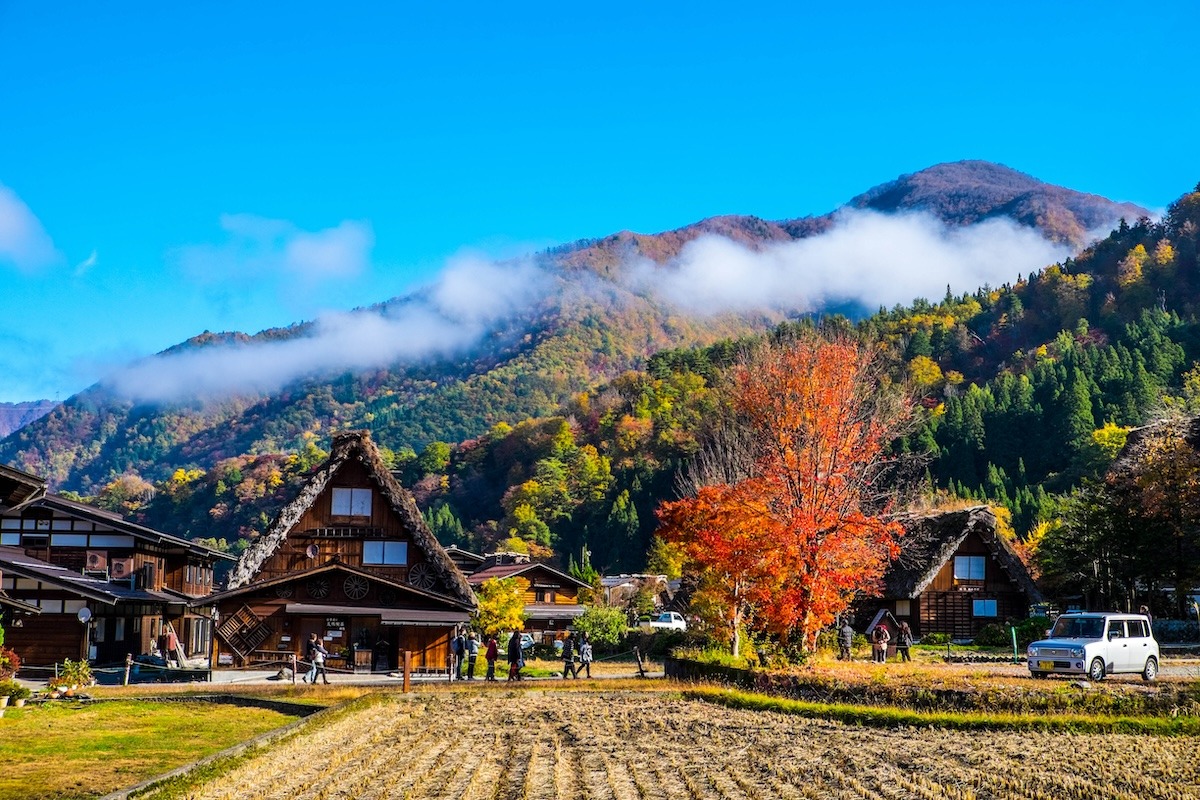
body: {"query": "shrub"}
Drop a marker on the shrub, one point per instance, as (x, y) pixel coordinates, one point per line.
(935, 638)
(992, 635)
(10, 688)
(10, 662)
(1031, 629)
(1171, 631)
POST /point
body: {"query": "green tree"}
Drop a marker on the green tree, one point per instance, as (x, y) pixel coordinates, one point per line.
(603, 624)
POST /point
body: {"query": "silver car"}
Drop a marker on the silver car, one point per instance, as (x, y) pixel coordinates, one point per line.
(1097, 644)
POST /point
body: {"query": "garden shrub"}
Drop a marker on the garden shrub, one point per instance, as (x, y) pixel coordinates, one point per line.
(935, 638)
(992, 635)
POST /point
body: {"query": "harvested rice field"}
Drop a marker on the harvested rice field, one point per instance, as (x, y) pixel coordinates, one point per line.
(627, 745)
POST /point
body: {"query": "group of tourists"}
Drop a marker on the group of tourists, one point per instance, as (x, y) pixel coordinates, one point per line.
(576, 656)
(881, 638)
(465, 647)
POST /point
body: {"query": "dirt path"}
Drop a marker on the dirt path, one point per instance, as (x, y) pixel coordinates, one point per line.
(629, 746)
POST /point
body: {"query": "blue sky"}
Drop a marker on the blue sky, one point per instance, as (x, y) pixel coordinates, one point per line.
(168, 170)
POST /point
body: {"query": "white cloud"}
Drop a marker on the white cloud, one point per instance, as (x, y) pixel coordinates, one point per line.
(874, 259)
(83, 266)
(24, 244)
(449, 317)
(258, 247)
(869, 258)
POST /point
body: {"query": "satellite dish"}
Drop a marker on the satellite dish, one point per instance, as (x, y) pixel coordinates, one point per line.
(312, 551)
(84, 615)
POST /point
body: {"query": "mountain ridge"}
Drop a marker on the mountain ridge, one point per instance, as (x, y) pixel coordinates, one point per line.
(523, 367)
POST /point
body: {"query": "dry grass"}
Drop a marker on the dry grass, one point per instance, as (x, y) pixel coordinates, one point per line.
(623, 745)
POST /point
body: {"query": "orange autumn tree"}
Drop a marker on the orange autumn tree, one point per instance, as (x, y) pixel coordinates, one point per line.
(795, 526)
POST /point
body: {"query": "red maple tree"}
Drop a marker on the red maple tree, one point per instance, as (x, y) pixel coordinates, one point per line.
(792, 539)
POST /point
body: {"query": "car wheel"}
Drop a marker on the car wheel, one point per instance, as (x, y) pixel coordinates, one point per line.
(1150, 671)
(1096, 670)
(1037, 674)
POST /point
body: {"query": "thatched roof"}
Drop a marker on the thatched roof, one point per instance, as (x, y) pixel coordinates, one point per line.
(1138, 441)
(347, 447)
(931, 539)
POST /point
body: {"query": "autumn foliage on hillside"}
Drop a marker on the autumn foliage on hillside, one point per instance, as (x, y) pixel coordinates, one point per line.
(787, 515)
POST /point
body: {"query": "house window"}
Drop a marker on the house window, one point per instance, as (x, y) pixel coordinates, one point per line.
(968, 568)
(98, 632)
(983, 608)
(351, 502)
(903, 608)
(543, 595)
(119, 629)
(385, 552)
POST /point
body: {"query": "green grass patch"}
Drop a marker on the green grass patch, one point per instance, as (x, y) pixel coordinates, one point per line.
(889, 717)
(76, 750)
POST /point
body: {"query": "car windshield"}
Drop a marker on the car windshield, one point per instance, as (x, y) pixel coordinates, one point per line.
(1078, 628)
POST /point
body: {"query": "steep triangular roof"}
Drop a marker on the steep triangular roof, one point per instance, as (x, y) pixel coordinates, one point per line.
(930, 540)
(354, 446)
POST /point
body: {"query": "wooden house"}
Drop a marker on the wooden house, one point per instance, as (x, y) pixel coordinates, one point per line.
(955, 574)
(65, 557)
(551, 599)
(352, 560)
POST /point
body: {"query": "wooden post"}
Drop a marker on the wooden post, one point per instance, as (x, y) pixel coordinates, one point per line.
(293, 669)
(128, 665)
(641, 667)
(450, 667)
(407, 670)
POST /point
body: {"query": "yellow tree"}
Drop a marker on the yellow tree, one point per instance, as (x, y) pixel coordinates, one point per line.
(501, 605)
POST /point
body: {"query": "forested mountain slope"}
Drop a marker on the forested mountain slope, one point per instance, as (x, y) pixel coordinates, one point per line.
(559, 443)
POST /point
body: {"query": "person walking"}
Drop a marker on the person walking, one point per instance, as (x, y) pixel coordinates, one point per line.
(515, 660)
(904, 640)
(316, 654)
(585, 656)
(568, 657)
(472, 655)
(880, 638)
(845, 640)
(490, 653)
(458, 648)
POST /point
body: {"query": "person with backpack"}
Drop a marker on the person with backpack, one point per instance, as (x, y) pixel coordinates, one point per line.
(515, 659)
(880, 637)
(458, 647)
(568, 657)
(472, 655)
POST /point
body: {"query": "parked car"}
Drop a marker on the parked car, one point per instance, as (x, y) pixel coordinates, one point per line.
(1097, 644)
(668, 620)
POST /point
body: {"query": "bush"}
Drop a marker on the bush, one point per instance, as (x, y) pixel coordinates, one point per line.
(1174, 631)
(10, 662)
(1031, 629)
(992, 635)
(935, 638)
(11, 688)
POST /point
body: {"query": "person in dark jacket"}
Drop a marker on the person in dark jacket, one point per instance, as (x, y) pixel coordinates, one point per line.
(904, 640)
(845, 640)
(568, 657)
(515, 659)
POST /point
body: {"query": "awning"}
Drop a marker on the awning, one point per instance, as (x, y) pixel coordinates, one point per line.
(387, 616)
(563, 611)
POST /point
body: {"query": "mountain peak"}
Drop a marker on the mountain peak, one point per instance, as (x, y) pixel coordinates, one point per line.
(968, 192)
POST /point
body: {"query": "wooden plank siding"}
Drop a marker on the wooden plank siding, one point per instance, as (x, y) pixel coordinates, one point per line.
(315, 523)
(946, 606)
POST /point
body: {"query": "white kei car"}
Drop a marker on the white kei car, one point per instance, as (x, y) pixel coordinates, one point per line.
(1096, 644)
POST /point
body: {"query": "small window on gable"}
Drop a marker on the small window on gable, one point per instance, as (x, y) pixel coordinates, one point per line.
(351, 502)
(385, 552)
(968, 568)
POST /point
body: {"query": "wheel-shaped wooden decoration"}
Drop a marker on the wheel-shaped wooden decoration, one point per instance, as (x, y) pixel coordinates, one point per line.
(388, 597)
(284, 591)
(318, 588)
(422, 576)
(356, 587)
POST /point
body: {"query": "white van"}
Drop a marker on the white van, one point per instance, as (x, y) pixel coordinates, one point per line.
(1097, 644)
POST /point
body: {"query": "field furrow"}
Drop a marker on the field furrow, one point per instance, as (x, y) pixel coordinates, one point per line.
(630, 746)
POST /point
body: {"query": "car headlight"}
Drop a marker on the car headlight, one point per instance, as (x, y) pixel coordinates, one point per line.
(1031, 652)
(1076, 652)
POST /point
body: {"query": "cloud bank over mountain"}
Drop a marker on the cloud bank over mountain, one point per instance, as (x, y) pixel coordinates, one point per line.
(868, 258)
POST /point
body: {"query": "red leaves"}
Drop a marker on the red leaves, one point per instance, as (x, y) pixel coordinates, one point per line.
(794, 541)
